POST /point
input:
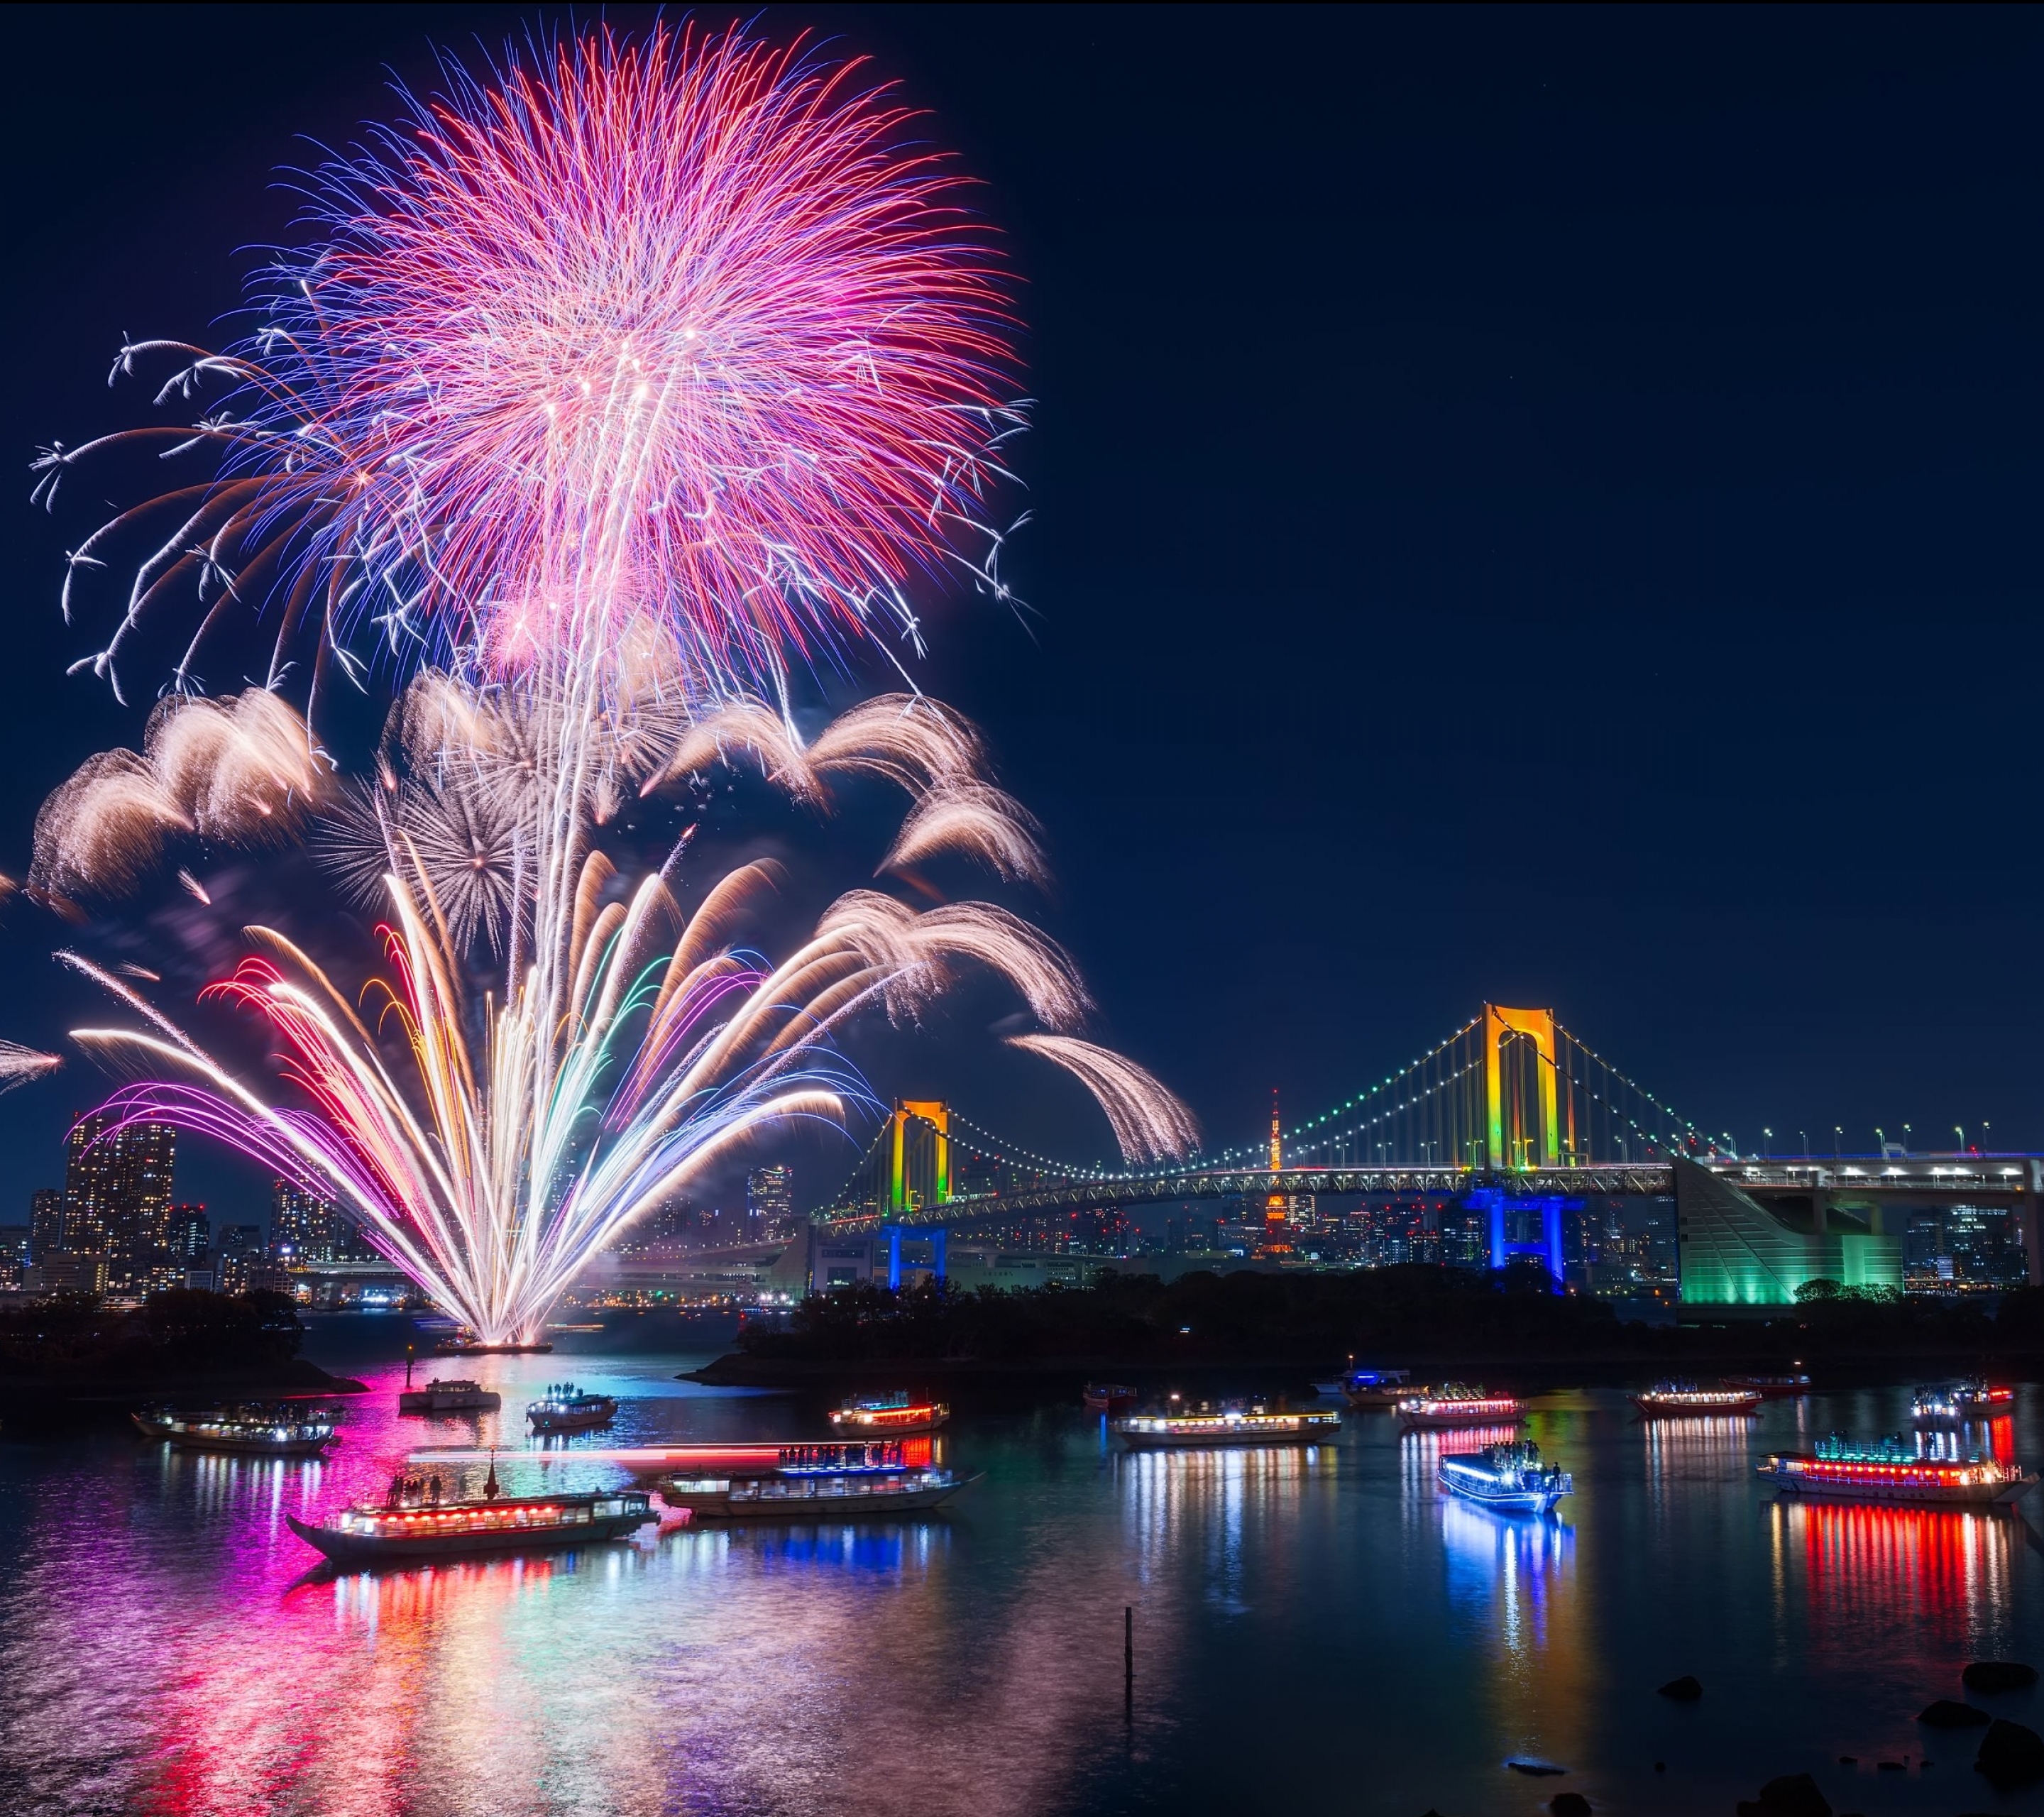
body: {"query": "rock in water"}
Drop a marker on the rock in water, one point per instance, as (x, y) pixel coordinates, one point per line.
(1569, 1804)
(1684, 1690)
(2011, 1755)
(1944, 1714)
(1793, 1794)
(1999, 1675)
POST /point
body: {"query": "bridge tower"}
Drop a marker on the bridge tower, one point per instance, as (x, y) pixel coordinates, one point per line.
(918, 1177)
(1514, 1139)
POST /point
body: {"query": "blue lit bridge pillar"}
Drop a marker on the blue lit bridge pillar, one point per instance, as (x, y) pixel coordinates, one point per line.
(1547, 1246)
(940, 1253)
(893, 1256)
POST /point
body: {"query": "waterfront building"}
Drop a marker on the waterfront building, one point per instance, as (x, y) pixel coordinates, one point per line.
(305, 1229)
(770, 1201)
(1735, 1251)
(45, 1222)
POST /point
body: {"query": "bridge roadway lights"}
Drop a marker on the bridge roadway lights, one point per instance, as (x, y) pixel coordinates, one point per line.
(1502, 1248)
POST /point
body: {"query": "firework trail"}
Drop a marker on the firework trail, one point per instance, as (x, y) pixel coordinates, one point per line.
(18, 1065)
(681, 330)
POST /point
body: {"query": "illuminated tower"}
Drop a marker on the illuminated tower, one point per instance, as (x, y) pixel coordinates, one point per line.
(1277, 1209)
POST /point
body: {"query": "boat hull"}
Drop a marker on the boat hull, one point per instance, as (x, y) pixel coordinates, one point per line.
(1442, 1419)
(420, 1400)
(1728, 1406)
(365, 1549)
(1374, 1399)
(853, 1426)
(1323, 1430)
(550, 1423)
(1914, 1495)
(236, 1447)
(872, 1505)
(1505, 1501)
(457, 1347)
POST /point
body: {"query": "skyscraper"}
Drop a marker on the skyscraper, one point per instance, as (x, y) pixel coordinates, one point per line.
(117, 1202)
(191, 1234)
(46, 1222)
(770, 1199)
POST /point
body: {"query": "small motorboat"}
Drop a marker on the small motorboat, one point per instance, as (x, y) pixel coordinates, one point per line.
(1954, 1403)
(1685, 1401)
(567, 1408)
(896, 1415)
(461, 1396)
(1511, 1478)
(277, 1429)
(821, 1482)
(1109, 1397)
(415, 1523)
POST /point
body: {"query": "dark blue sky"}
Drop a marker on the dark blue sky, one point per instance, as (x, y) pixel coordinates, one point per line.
(1538, 505)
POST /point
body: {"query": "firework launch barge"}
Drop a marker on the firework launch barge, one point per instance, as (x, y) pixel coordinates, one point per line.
(422, 1529)
(1232, 1426)
(1887, 1470)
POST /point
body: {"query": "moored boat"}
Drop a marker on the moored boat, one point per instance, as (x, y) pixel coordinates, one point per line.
(1685, 1399)
(452, 1396)
(567, 1408)
(414, 1523)
(854, 1481)
(279, 1430)
(1226, 1426)
(1954, 1403)
(1889, 1470)
(1771, 1387)
(896, 1414)
(1109, 1397)
(1455, 1405)
(1376, 1390)
(1511, 1478)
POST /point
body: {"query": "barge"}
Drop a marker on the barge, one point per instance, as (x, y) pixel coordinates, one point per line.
(1227, 1426)
(1455, 1405)
(414, 1523)
(1684, 1399)
(281, 1430)
(1889, 1470)
(1511, 1478)
(850, 1481)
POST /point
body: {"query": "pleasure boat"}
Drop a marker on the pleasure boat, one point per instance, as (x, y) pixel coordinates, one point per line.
(567, 1408)
(894, 1414)
(1684, 1399)
(1771, 1387)
(265, 1430)
(1253, 1425)
(854, 1481)
(1455, 1405)
(1376, 1390)
(1888, 1469)
(414, 1523)
(1954, 1403)
(1509, 1477)
(451, 1397)
(1109, 1397)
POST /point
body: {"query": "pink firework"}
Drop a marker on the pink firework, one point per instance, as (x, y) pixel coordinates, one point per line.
(682, 328)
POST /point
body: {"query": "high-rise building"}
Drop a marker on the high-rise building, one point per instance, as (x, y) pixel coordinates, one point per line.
(117, 1202)
(305, 1229)
(191, 1235)
(770, 1201)
(239, 1262)
(46, 1222)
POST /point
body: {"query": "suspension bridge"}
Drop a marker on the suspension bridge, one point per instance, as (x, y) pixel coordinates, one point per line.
(1513, 1114)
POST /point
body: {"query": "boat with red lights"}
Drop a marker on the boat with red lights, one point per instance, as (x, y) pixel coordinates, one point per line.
(1455, 1405)
(1771, 1387)
(415, 1523)
(896, 1415)
(1887, 1469)
(1954, 1403)
(853, 1481)
(1226, 1426)
(567, 1408)
(281, 1430)
(1109, 1397)
(1685, 1400)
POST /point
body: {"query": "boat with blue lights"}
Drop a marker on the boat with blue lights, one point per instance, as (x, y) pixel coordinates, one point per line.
(854, 1481)
(1891, 1470)
(1511, 1478)
(1455, 1405)
(1685, 1400)
(567, 1408)
(1371, 1390)
(265, 1430)
(1210, 1426)
(899, 1414)
(1954, 1403)
(415, 1523)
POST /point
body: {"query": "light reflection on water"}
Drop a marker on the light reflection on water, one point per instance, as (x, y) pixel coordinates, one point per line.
(163, 1648)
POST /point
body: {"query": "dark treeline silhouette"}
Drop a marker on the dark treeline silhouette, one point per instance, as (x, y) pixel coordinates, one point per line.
(73, 1337)
(1419, 1313)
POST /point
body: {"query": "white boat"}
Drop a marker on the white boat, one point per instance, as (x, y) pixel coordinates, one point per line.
(449, 1397)
(850, 1481)
(1511, 1478)
(1954, 1403)
(1227, 1426)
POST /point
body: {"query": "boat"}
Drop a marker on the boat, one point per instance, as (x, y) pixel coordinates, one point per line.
(899, 1412)
(1376, 1390)
(1684, 1399)
(1889, 1469)
(452, 1396)
(413, 1522)
(854, 1481)
(567, 1408)
(1109, 1397)
(1226, 1426)
(264, 1430)
(1953, 1402)
(1455, 1405)
(1511, 1478)
(467, 1344)
(1771, 1387)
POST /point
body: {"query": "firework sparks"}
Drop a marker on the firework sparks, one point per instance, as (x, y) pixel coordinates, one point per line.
(1150, 1123)
(18, 1065)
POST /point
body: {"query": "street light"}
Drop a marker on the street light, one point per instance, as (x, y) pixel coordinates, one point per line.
(1961, 1135)
(1767, 1136)
(1838, 1142)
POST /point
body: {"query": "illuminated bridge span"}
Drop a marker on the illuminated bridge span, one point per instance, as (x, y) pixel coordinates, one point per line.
(1511, 1111)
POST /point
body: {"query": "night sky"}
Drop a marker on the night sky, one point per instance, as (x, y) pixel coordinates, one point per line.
(1539, 506)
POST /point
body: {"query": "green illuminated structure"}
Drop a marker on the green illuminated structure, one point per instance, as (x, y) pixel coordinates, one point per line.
(1736, 1252)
